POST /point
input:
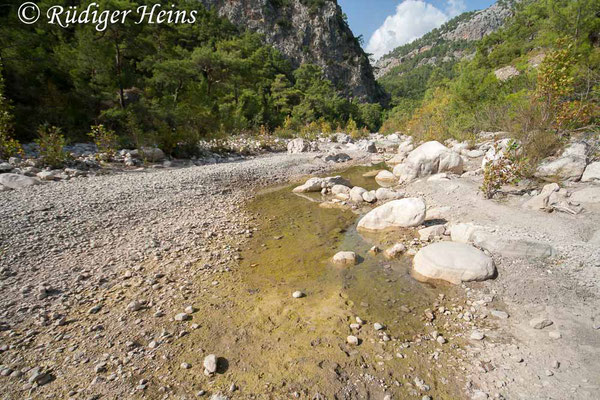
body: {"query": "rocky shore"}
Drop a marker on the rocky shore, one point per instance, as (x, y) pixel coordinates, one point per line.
(100, 276)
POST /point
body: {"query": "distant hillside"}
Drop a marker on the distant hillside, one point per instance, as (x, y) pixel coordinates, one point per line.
(404, 71)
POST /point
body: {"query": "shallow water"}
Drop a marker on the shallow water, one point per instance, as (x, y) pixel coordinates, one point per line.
(274, 346)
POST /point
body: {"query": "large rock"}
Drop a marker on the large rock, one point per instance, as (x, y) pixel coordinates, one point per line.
(452, 262)
(298, 146)
(318, 184)
(509, 247)
(428, 159)
(568, 167)
(592, 173)
(386, 177)
(368, 146)
(396, 214)
(587, 195)
(356, 194)
(151, 154)
(14, 181)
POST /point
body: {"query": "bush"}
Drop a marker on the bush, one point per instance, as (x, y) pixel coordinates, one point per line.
(9, 147)
(105, 140)
(506, 168)
(51, 143)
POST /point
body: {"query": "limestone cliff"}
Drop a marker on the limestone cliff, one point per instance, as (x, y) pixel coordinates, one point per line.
(308, 31)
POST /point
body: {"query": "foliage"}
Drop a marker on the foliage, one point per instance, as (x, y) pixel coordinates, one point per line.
(9, 147)
(165, 85)
(542, 106)
(51, 144)
(105, 139)
(505, 168)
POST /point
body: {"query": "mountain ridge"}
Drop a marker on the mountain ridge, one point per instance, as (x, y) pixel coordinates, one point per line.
(451, 42)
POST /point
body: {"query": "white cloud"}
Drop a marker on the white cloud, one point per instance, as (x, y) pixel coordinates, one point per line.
(413, 19)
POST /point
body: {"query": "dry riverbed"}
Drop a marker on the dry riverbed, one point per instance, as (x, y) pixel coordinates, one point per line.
(120, 286)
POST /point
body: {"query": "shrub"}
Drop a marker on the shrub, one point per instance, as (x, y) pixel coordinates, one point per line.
(51, 143)
(104, 139)
(9, 147)
(505, 168)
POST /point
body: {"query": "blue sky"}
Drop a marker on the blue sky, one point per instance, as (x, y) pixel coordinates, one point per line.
(386, 24)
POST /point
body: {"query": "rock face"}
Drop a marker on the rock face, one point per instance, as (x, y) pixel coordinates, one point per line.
(428, 159)
(506, 73)
(396, 214)
(14, 181)
(568, 167)
(308, 32)
(453, 262)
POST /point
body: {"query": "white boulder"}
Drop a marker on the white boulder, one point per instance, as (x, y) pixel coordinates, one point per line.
(318, 184)
(428, 159)
(452, 262)
(298, 146)
(356, 194)
(568, 167)
(345, 258)
(396, 214)
(386, 177)
(592, 173)
(15, 181)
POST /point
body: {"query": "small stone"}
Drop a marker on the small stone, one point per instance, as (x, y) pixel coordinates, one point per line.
(555, 335)
(540, 323)
(499, 314)
(345, 257)
(477, 335)
(377, 326)
(479, 395)
(95, 309)
(441, 340)
(359, 321)
(190, 310)
(185, 365)
(210, 364)
(298, 294)
(355, 326)
(182, 317)
(353, 340)
(200, 393)
(135, 306)
(100, 367)
(556, 364)
(549, 373)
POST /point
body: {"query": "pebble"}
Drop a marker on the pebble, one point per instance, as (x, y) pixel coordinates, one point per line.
(353, 340)
(135, 306)
(555, 335)
(298, 294)
(190, 310)
(185, 365)
(441, 339)
(499, 314)
(477, 335)
(100, 367)
(540, 323)
(182, 317)
(377, 326)
(210, 364)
